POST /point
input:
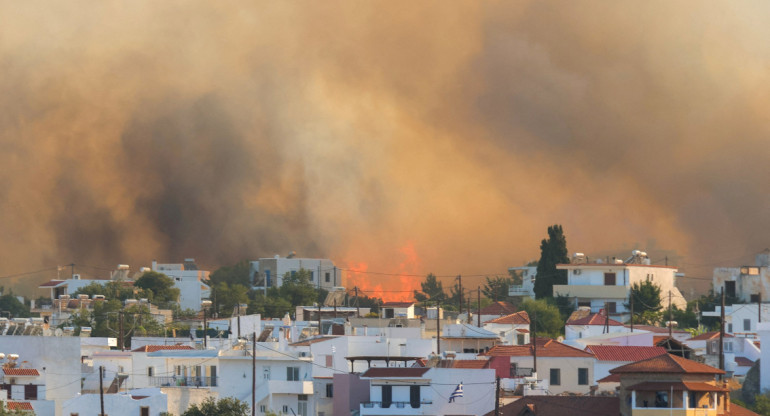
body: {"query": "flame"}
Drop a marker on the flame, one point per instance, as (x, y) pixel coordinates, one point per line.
(389, 288)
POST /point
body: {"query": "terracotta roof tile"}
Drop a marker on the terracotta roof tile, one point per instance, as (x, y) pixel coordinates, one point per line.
(51, 283)
(153, 348)
(624, 352)
(401, 372)
(546, 347)
(498, 308)
(667, 364)
(310, 341)
(676, 385)
(612, 378)
(19, 405)
(708, 335)
(560, 405)
(518, 318)
(743, 362)
(472, 364)
(736, 410)
(31, 372)
(593, 319)
(656, 329)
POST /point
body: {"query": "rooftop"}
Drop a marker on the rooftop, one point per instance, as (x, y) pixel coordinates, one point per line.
(397, 304)
(708, 335)
(593, 319)
(31, 372)
(153, 348)
(518, 318)
(666, 364)
(624, 352)
(498, 308)
(559, 405)
(546, 347)
(400, 372)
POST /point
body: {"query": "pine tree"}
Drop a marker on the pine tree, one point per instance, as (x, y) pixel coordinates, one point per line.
(553, 251)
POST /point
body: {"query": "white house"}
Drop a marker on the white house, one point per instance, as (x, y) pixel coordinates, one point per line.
(513, 329)
(269, 272)
(608, 285)
(748, 283)
(188, 279)
(467, 339)
(429, 391)
(741, 319)
(145, 402)
(397, 310)
(613, 356)
(584, 324)
(527, 286)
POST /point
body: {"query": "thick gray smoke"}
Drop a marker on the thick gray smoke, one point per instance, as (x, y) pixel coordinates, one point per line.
(393, 137)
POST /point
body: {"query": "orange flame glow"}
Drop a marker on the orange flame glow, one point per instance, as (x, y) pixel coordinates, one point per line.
(388, 287)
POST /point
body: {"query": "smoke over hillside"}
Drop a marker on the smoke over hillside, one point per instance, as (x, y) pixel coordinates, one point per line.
(405, 137)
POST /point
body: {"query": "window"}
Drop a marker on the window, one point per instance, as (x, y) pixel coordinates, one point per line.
(612, 307)
(609, 279)
(285, 409)
(730, 328)
(329, 390)
(312, 276)
(730, 288)
(144, 411)
(292, 373)
(414, 396)
(267, 277)
(582, 376)
(150, 371)
(520, 339)
(293, 273)
(512, 371)
(266, 372)
(329, 360)
(328, 277)
(754, 299)
(262, 408)
(747, 324)
(555, 378)
(301, 408)
(387, 396)
(588, 304)
(728, 346)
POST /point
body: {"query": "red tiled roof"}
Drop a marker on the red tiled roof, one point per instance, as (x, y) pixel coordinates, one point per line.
(743, 362)
(309, 341)
(666, 364)
(153, 348)
(676, 385)
(708, 335)
(546, 347)
(624, 352)
(612, 378)
(518, 318)
(498, 308)
(559, 405)
(19, 405)
(474, 364)
(50, 283)
(21, 372)
(523, 330)
(593, 319)
(736, 410)
(655, 329)
(397, 304)
(377, 372)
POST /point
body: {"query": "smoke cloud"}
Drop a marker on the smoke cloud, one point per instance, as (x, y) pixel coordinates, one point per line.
(411, 138)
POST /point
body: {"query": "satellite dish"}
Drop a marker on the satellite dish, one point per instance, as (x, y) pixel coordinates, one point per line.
(58, 332)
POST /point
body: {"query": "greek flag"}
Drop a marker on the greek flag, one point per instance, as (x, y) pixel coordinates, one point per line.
(457, 393)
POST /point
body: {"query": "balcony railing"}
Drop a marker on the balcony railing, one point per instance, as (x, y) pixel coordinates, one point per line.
(179, 381)
(518, 290)
(397, 405)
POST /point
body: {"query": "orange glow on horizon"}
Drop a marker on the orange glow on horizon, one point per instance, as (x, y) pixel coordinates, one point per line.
(389, 288)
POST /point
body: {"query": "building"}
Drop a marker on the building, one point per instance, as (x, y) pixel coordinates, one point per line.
(742, 319)
(269, 272)
(613, 356)
(749, 284)
(496, 310)
(527, 286)
(559, 405)
(189, 280)
(601, 285)
(667, 384)
(513, 329)
(397, 310)
(584, 324)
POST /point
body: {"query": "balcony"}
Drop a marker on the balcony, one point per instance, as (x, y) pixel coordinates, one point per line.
(591, 291)
(179, 381)
(392, 408)
(519, 290)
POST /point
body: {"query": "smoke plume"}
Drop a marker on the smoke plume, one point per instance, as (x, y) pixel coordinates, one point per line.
(411, 138)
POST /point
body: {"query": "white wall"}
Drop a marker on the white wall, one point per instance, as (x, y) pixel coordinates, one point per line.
(115, 404)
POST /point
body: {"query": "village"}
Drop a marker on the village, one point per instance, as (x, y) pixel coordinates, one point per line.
(168, 338)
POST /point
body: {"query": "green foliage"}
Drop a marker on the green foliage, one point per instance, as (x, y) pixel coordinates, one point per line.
(110, 290)
(685, 319)
(367, 302)
(227, 297)
(272, 305)
(158, 287)
(17, 309)
(104, 321)
(298, 288)
(228, 406)
(553, 251)
(544, 317)
(646, 297)
(432, 290)
(565, 305)
(496, 288)
(237, 274)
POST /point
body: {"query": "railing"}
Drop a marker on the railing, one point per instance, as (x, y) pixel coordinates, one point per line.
(179, 381)
(515, 290)
(397, 405)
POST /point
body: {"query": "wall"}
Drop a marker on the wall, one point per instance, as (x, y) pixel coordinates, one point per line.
(349, 392)
(115, 404)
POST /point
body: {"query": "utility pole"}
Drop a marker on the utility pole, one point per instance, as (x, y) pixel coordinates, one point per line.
(205, 329)
(239, 320)
(320, 330)
(478, 307)
(631, 302)
(253, 372)
(534, 341)
(120, 329)
(72, 270)
(101, 388)
(759, 308)
(670, 318)
(335, 307)
(606, 328)
(460, 278)
(469, 309)
(438, 329)
(497, 397)
(722, 335)
(358, 310)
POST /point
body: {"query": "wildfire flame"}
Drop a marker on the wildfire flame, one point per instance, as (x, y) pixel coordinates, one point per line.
(389, 288)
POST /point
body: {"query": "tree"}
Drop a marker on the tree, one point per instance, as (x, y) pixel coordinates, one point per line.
(238, 273)
(11, 304)
(110, 290)
(497, 287)
(228, 297)
(432, 290)
(565, 305)
(298, 288)
(160, 286)
(553, 251)
(228, 406)
(646, 297)
(544, 316)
